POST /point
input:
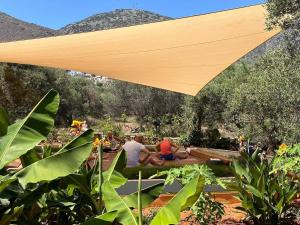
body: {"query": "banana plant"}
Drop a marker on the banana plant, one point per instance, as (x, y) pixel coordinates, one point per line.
(20, 141)
(12, 214)
(46, 170)
(186, 197)
(62, 164)
(25, 134)
(86, 183)
(125, 205)
(113, 201)
(105, 219)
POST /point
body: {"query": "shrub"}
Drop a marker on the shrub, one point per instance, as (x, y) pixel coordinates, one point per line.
(266, 197)
(205, 209)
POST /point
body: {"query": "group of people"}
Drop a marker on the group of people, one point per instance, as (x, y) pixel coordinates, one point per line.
(137, 153)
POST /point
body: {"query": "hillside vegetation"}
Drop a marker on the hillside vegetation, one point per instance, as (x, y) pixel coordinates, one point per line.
(111, 20)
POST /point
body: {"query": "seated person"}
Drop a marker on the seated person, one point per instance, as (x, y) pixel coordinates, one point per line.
(111, 142)
(166, 151)
(134, 148)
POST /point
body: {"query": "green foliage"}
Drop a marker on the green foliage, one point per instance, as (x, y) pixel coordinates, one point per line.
(265, 197)
(11, 215)
(271, 114)
(150, 215)
(185, 174)
(28, 132)
(22, 86)
(105, 219)
(69, 194)
(124, 205)
(115, 202)
(140, 101)
(148, 195)
(285, 14)
(258, 99)
(34, 194)
(170, 125)
(287, 160)
(108, 124)
(4, 121)
(207, 211)
(185, 198)
(282, 13)
(66, 161)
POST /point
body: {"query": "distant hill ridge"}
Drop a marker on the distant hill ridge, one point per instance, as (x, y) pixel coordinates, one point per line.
(12, 29)
(115, 19)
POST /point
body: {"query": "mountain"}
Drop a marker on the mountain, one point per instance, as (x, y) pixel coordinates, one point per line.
(115, 19)
(12, 29)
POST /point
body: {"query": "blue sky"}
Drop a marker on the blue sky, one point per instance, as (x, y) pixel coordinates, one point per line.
(58, 13)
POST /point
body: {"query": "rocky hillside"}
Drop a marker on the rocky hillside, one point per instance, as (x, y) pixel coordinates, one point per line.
(114, 19)
(12, 29)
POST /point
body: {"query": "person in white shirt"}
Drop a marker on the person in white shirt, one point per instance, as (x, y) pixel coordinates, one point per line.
(134, 149)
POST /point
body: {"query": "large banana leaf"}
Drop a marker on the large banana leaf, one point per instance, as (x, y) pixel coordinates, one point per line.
(113, 179)
(148, 195)
(28, 132)
(114, 174)
(187, 196)
(12, 215)
(61, 164)
(78, 181)
(5, 181)
(4, 121)
(83, 183)
(118, 164)
(105, 219)
(124, 206)
(114, 202)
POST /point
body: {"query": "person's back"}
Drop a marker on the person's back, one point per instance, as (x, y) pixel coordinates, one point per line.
(133, 149)
(166, 151)
(165, 147)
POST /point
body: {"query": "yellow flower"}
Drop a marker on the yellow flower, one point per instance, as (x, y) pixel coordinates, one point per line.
(242, 138)
(106, 143)
(96, 142)
(282, 148)
(76, 123)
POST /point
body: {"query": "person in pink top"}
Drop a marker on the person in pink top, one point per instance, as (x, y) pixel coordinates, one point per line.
(169, 150)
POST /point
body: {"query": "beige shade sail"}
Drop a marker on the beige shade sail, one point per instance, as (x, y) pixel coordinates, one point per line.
(180, 55)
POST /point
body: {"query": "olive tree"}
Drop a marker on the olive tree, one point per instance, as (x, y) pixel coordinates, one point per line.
(282, 13)
(267, 106)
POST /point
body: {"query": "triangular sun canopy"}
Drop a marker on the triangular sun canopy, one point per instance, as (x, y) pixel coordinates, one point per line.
(180, 55)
